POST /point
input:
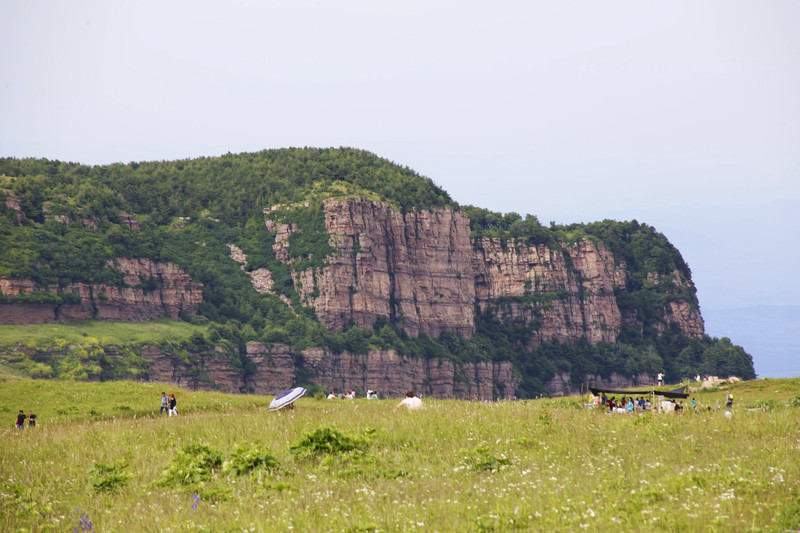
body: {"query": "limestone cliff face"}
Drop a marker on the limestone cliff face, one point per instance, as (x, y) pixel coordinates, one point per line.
(562, 385)
(392, 375)
(153, 290)
(384, 371)
(415, 267)
(558, 298)
(679, 309)
(423, 269)
(214, 371)
(275, 371)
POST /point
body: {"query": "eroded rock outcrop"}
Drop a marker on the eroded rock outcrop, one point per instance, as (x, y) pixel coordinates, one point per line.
(422, 269)
(415, 267)
(273, 370)
(12, 202)
(152, 290)
(562, 385)
(560, 295)
(392, 375)
(216, 369)
(260, 278)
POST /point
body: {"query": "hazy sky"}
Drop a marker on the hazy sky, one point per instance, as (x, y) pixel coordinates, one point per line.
(681, 114)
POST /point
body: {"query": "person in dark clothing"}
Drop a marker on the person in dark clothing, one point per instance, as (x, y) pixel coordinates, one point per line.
(31, 420)
(173, 405)
(164, 403)
(21, 419)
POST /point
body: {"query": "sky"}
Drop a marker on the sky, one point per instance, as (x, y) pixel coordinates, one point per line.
(684, 115)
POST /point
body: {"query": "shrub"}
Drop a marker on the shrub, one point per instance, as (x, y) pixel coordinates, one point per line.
(330, 441)
(482, 459)
(248, 457)
(191, 464)
(105, 477)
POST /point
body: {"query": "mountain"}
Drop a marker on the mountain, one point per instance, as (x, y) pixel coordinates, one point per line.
(341, 251)
(770, 333)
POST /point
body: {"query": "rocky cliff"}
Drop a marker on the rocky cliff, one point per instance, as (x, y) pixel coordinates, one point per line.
(413, 267)
(559, 296)
(151, 290)
(422, 269)
(273, 369)
(392, 375)
(563, 385)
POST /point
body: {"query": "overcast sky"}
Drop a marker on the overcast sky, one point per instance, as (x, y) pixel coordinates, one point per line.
(681, 114)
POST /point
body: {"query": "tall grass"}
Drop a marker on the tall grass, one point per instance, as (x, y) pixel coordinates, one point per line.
(454, 466)
(114, 333)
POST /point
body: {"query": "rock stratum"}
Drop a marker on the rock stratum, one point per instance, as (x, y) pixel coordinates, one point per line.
(273, 369)
(422, 269)
(419, 269)
(151, 290)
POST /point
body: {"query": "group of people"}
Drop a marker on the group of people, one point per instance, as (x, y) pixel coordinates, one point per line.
(169, 404)
(630, 404)
(333, 395)
(19, 423)
(624, 404)
(411, 401)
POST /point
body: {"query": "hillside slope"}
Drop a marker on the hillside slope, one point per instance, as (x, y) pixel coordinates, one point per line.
(345, 252)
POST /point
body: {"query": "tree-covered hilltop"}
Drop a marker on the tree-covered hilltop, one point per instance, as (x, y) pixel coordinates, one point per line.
(72, 219)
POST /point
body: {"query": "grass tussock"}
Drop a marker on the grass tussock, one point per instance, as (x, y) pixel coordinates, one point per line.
(227, 464)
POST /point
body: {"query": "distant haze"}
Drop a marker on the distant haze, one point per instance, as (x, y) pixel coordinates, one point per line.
(768, 333)
(681, 114)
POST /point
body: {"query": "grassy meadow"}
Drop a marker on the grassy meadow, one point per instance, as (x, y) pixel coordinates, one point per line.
(101, 459)
(98, 332)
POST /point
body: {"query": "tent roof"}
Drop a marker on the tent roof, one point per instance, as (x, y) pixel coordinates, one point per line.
(680, 392)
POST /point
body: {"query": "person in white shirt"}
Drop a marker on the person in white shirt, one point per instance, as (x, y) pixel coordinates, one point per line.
(411, 401)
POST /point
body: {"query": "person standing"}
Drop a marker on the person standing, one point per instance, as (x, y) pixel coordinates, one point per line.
(173, 405)
(21, 419)
(164, 403)
(660, 379)
(729, 401)
(31, 420)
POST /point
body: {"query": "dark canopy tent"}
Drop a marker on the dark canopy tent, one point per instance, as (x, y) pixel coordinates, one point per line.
(680, 392)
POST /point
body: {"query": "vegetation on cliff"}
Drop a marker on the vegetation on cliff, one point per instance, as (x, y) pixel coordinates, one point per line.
(72, 219)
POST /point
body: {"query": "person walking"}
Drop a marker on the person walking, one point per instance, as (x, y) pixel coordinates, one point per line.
(660, 379)
(21, 419)
(173, 405)
(164, 403)
(31, 420)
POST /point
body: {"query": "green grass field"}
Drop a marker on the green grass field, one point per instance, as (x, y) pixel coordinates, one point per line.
(101, 459)
(113, 333)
